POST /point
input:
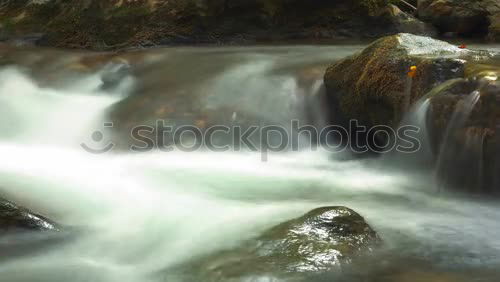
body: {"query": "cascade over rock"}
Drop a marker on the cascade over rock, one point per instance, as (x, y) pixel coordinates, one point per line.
(372, 87)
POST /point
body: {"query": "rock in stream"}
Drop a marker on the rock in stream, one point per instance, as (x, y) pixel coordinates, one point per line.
(23, 232)
(324, 239)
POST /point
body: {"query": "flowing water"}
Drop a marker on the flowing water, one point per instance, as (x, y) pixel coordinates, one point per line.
(138, 215)
(450, 151)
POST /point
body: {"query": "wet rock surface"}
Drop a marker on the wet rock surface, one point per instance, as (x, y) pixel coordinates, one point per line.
(321, 240)
(15, 219)
(371, 86)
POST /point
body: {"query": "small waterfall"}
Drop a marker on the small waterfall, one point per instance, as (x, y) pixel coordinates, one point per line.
(416, 117)
(317, 108)
(455, 154)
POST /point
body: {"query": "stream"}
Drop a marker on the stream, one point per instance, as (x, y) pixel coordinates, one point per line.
(142, 217)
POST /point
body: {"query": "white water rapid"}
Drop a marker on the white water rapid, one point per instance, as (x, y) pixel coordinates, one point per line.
(139, 216)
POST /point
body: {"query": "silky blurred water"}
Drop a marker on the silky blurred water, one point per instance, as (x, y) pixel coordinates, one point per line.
(138, 215)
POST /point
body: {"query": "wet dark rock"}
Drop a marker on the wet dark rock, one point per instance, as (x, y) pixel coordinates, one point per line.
(321, 240)
(15, 219)
(470, 18)
(468, 150)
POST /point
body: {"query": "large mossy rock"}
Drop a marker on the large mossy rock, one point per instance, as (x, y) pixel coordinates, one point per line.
(473, 18)
(371, 86)
(108, 24)
(321, 240)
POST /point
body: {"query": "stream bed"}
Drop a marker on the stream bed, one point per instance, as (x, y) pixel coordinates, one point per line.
(149, 216)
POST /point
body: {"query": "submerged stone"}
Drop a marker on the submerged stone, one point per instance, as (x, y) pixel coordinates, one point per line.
(375, 87)
(24, 233)
(15, 219)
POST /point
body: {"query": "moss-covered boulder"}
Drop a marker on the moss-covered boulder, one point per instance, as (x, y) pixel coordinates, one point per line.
(321, 240)
(112, 24)
(373, 86)
(464, 17)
